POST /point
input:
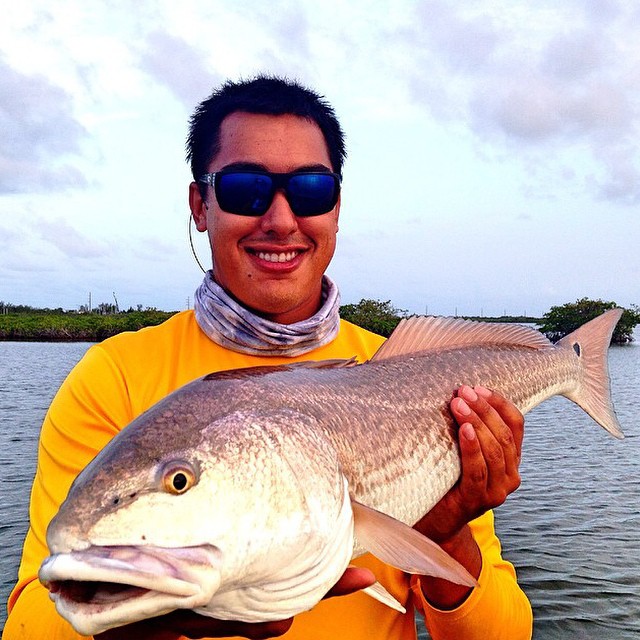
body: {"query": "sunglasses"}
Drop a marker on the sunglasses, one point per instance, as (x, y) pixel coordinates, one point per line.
(251, 192)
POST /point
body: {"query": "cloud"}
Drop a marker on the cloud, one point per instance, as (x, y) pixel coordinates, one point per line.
(566, 78)
(287, 48)
(178, 65)
(70, 241)
(38, 134)
(271, 42)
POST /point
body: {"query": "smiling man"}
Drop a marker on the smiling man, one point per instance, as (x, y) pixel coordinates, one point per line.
(266, 157)
(272, 263)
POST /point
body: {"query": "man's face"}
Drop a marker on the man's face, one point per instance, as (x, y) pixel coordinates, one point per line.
(273, 264)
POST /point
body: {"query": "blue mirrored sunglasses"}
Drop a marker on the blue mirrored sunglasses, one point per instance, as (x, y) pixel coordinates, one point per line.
(251, 192)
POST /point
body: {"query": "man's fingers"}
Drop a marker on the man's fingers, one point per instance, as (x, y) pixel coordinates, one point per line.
(507, 426)
(474, 468)
(187, 623)
(492, 434)
(490, 469)
(508, 412)
(501, 418)
(353, 579)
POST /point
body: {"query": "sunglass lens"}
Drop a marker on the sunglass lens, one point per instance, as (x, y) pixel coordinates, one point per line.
(312, 194)
(246, 194)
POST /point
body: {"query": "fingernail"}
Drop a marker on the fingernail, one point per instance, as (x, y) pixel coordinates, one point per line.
(482, 391)
(468, 393)
(462, 407)
(468, 431)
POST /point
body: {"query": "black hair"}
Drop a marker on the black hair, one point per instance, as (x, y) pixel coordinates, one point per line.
(268, 95)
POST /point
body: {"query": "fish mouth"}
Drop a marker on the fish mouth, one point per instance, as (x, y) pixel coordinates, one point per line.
(99, 588)
(94, 593)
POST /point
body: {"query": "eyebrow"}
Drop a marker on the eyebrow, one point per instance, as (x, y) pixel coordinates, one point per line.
(255, 166)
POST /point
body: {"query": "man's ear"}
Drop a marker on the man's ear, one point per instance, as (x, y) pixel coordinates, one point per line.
(198, 207)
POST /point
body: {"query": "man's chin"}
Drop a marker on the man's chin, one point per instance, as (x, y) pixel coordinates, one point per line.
(284, 307)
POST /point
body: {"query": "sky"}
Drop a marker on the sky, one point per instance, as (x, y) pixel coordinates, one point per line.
(493, 145)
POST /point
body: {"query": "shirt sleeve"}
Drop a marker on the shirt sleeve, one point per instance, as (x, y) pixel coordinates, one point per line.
(497, 609)
(75, 428)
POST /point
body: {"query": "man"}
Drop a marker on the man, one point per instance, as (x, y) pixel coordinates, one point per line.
(266, 157)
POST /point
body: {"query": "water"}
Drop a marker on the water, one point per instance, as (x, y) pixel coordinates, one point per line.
(572, 529)
(30, 374)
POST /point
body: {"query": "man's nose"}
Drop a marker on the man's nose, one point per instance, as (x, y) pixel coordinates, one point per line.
(279, 219)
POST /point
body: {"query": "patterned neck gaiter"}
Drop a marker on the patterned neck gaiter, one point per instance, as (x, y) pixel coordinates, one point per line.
(230, 325)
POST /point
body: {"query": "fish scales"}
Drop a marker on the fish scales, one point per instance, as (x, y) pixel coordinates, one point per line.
(389, 420)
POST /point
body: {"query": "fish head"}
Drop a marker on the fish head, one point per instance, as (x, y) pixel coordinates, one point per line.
(246, 517)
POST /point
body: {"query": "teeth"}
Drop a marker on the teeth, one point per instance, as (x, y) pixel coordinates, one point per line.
(277, 257)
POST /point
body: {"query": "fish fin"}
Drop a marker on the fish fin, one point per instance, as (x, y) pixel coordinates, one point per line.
(405, 548)
(421, 333)
(335, 363)
(379, 593)
(591, 342)
(249, 372)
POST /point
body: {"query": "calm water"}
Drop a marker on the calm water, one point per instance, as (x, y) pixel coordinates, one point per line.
(572, 529)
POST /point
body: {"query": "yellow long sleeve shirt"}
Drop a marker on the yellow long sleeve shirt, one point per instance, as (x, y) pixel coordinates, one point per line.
(122, 377)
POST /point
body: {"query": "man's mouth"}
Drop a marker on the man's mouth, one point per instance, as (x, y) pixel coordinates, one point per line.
(283, 256)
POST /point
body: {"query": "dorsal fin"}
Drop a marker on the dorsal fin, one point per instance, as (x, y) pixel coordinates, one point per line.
(249, 372)
(420, 333)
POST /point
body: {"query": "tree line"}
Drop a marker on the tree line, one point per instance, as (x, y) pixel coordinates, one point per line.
(383, 317)
(22, 322)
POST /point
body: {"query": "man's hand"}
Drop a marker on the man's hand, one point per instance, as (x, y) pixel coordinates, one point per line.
(186, 623)
(490, 439)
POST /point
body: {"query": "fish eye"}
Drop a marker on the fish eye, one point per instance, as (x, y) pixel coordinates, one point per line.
(178, 477)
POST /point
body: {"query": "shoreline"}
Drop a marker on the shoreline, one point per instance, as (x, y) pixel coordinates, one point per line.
(75, 327)
(93, 327)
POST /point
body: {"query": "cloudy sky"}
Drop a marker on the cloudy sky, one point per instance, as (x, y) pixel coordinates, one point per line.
(494, 151)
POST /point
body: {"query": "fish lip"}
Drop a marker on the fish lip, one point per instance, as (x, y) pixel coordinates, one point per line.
(164, 569)
(88, 585)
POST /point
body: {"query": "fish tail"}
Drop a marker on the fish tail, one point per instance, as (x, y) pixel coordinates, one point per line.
(591, 343)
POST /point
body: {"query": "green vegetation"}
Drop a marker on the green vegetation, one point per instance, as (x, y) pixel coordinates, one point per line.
(19, 322)
(383, 317)
(562, 320)
(380, 317)
(53, 325)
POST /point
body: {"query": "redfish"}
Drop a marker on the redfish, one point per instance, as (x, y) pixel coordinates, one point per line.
(245, 494)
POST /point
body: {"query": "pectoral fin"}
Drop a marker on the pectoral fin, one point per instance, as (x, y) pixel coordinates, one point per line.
(379, 593)
(405, 548)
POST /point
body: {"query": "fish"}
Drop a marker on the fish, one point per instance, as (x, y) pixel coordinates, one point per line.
(245, 494)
